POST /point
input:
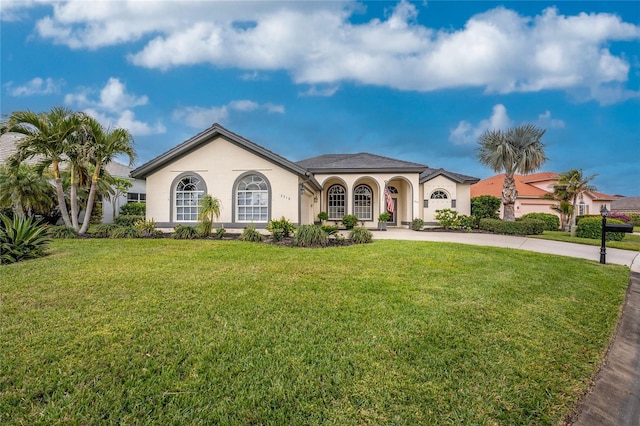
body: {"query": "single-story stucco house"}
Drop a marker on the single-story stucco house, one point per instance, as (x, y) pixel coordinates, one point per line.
(256, 185)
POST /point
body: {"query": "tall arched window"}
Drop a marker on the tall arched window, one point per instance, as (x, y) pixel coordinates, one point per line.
(252, 199)
(439, 195)
(362, 205)
(187, 195)
(336, 202)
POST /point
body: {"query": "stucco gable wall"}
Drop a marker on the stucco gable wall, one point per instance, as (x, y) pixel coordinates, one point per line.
(456, 191)
(220, 163)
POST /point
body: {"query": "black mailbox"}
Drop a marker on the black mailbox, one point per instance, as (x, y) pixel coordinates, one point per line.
(618, 227)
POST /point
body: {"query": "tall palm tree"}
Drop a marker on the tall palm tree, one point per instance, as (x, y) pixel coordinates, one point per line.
(45, 135)
(102, 147)
(25, 190)
(516, 150)
(209, 207)
(570, 188)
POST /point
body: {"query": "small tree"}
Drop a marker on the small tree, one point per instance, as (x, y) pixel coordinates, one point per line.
(120, 187)
(209, 207)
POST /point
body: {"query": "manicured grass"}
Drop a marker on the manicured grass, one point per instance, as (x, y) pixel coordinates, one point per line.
(630, 241)
(225, 332)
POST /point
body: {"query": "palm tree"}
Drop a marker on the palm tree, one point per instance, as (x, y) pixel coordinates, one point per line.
(102, 147)
(209, 207)
(516, 150)
(570, 187)
(566, 211)
(45, 135)
(25, 190)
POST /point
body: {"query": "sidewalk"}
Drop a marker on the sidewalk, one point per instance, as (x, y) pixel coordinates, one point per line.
(614, 399)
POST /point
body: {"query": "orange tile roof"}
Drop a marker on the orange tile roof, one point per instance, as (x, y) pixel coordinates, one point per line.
(493, 185)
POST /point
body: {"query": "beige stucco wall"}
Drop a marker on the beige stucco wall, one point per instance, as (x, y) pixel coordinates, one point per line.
(456, 191)
(220, 163)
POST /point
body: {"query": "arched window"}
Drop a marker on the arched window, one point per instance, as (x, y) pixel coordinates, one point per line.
(362, 205)
(439, 195)
(336, 202)
(392, 189)
(252, 199)
(187, 195)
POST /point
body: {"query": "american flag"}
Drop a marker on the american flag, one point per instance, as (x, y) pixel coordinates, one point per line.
(387, 196)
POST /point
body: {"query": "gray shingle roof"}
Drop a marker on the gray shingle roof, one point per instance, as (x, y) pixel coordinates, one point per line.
(429, 174)
(626, 204)
(357, 163)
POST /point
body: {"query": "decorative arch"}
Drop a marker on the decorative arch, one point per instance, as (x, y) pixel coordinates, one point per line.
(186, 191)
(251, 198)
(439, 194)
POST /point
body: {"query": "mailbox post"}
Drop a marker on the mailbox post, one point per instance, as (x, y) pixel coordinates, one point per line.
(603, 248)
(614, 227)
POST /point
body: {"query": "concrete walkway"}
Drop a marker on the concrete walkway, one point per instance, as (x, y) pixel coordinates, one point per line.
(614, 400)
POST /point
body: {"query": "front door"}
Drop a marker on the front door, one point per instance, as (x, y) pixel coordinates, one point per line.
(394, 216)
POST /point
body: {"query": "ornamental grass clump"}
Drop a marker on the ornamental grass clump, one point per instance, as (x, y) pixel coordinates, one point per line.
(62, 231)
(185, 232)
(104, 230)
(360, 235)
(251, 234)
(21, 238)
(310, 236)
(280, 229)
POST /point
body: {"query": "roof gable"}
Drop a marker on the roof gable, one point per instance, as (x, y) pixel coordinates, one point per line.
(216, 130)
(429, 174)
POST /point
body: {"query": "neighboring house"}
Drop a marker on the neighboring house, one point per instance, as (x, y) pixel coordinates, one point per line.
(136, 193)
(534, 194)
(256, 185)
(626, 205)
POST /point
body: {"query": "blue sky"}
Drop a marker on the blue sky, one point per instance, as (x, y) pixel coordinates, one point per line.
(417, 81)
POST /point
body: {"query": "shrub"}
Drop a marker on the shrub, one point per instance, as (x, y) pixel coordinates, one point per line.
(219, 234)
(448, 219)
(323, 216)
(485, 207)
(634, 218)
(147, 228)
(125, 232)
(185, 232)
(250, 234)
(103, 230)
(551, 221)
(133, 209)
(62, 231)
(350, 220)
(310, 236)
(339, 239)
(468, 222)
(360, 235)
(522, 227)
(330, 229)
(127, 220)
(384, 217)
(620, 216)
(21, 238)
(417, 224)
(591, 227)
(96, 213)
(280, 228)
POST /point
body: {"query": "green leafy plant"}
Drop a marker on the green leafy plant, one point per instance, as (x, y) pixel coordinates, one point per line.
(103, 230)
(448, 219)
(551, 221)
(219, 234)
(125, 232)
(62, 231)
(485, 207)
(330, 229)
(127, 220)
(360, 235)
(209, 208)
(133, 209)
(146, 228)
(591, 227)
(310, 236)
(249, 233)
(21, 238)
(521, 227)
(350, 220)
(280, 228)
(384, 217)
(322, 216)
(417, 224)
(185, 232)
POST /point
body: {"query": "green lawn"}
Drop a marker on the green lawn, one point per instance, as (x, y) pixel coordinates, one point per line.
(629, 242)
(225, 332)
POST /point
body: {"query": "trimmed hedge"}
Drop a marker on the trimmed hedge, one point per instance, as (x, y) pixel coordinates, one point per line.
(521, 227)
(551, 221)
(133, 209)
(591, 227)
(128, 220)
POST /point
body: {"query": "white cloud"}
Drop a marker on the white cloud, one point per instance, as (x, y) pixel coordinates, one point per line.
(112, 107)
(545, 120)
(199, 117)
(317, 43)
(36, 86)
(325, 92)
(466, 133)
